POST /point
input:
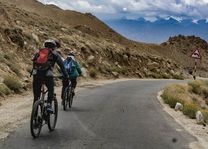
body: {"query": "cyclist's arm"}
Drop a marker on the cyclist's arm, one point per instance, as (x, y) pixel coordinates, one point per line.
(35, 56)
(78, 68)
(61, 66)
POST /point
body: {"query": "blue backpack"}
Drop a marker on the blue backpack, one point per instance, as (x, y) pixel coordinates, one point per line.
(69, 65)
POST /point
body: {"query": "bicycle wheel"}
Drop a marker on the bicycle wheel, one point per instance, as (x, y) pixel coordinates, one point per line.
(36, 119)
(65, 99)
(52, 118)
(70, 98)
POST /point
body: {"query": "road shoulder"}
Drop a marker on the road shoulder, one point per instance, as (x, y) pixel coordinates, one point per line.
(198, 131)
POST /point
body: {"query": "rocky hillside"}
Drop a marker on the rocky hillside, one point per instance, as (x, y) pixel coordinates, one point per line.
(101, 53)
(180, 49)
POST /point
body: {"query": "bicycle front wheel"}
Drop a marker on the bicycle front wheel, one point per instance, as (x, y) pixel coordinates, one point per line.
(52, 118)
(70, 99)
(36, 119)
(65, 99)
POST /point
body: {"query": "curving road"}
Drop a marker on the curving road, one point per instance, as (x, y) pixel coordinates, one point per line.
(124, 115)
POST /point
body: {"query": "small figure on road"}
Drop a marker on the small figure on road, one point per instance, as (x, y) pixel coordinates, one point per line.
(43, 65)
(73, 70)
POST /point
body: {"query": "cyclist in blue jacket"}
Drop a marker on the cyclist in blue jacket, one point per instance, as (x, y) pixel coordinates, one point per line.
(73, 70)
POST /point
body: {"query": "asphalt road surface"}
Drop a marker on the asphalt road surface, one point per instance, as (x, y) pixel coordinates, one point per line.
(124, 115)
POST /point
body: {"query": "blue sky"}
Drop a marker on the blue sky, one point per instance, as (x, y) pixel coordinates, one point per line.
(133, 9)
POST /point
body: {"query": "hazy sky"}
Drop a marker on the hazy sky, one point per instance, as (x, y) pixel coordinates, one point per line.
(132, 9)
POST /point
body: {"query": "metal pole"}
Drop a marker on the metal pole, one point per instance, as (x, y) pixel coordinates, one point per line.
(195, 69)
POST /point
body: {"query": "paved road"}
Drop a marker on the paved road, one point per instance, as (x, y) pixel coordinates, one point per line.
(124, 115)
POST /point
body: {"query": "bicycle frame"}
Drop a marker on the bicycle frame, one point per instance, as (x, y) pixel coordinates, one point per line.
(42, 99)
(43, 92)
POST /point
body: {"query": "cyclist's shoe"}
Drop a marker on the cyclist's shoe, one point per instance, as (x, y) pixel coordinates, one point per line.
(49, 109)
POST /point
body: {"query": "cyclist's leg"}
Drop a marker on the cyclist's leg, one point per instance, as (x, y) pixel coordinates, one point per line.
(74, 82)
(49, 82)
(37, 84)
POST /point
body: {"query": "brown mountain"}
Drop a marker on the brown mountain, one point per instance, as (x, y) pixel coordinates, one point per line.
(25, 24)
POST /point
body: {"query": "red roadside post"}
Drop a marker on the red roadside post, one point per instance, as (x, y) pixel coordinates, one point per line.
(195, 55)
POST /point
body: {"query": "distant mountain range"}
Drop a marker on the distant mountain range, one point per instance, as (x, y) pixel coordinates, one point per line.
(160, 30)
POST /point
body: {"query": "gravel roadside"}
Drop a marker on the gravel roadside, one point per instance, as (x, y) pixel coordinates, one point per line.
(190, 125)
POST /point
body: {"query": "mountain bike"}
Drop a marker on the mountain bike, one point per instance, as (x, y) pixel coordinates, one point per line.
(68, 97)
(40, 116)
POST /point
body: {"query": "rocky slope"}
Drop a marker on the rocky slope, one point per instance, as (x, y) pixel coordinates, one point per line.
(180, 49)
(101, 51)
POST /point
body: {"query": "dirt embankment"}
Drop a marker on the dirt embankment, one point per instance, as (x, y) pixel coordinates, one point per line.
(22, 32)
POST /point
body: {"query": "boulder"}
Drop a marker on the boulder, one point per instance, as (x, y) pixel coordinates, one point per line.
(84, 50)
(125, 57)
(90, 58)
(145, 70)
(139, 74)
(199, 117)
(18, 22)
(84, 71)
(169, 66)
(152, 65)
(172, 71)
(25, 79)
(178, 106)
(1, 80)
(35, 38)
(119, 66)
(115, 74)
(135, 58)
(116, 63)
(63, 29)
(105, 63)
(100, 60)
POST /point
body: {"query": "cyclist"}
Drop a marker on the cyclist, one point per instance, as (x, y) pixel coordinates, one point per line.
(73, 70)
(43, 64)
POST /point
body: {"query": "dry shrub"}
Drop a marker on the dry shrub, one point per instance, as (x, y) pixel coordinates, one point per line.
(190, 110)
(13, 83)
(171, 95)
(93, 73)
(205, 115)
(196, 87)
(4, 90)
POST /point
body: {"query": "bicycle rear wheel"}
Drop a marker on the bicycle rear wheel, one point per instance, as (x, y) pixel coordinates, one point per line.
(36, 119)
(70, 99)
(65, 99)
(52, 118)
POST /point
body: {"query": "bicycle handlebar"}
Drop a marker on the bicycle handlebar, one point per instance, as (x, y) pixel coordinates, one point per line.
(58, 77)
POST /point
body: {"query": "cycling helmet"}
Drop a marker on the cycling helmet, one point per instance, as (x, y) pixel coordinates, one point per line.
(50, 44)
(71, 53)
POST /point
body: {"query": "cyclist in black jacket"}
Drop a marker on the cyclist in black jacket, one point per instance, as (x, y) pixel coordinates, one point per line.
(43, 74)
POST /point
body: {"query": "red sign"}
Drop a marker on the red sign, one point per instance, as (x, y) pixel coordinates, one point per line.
(196, 54)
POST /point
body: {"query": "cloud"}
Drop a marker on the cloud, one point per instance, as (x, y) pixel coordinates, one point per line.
(81, 5)
(196, 9)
